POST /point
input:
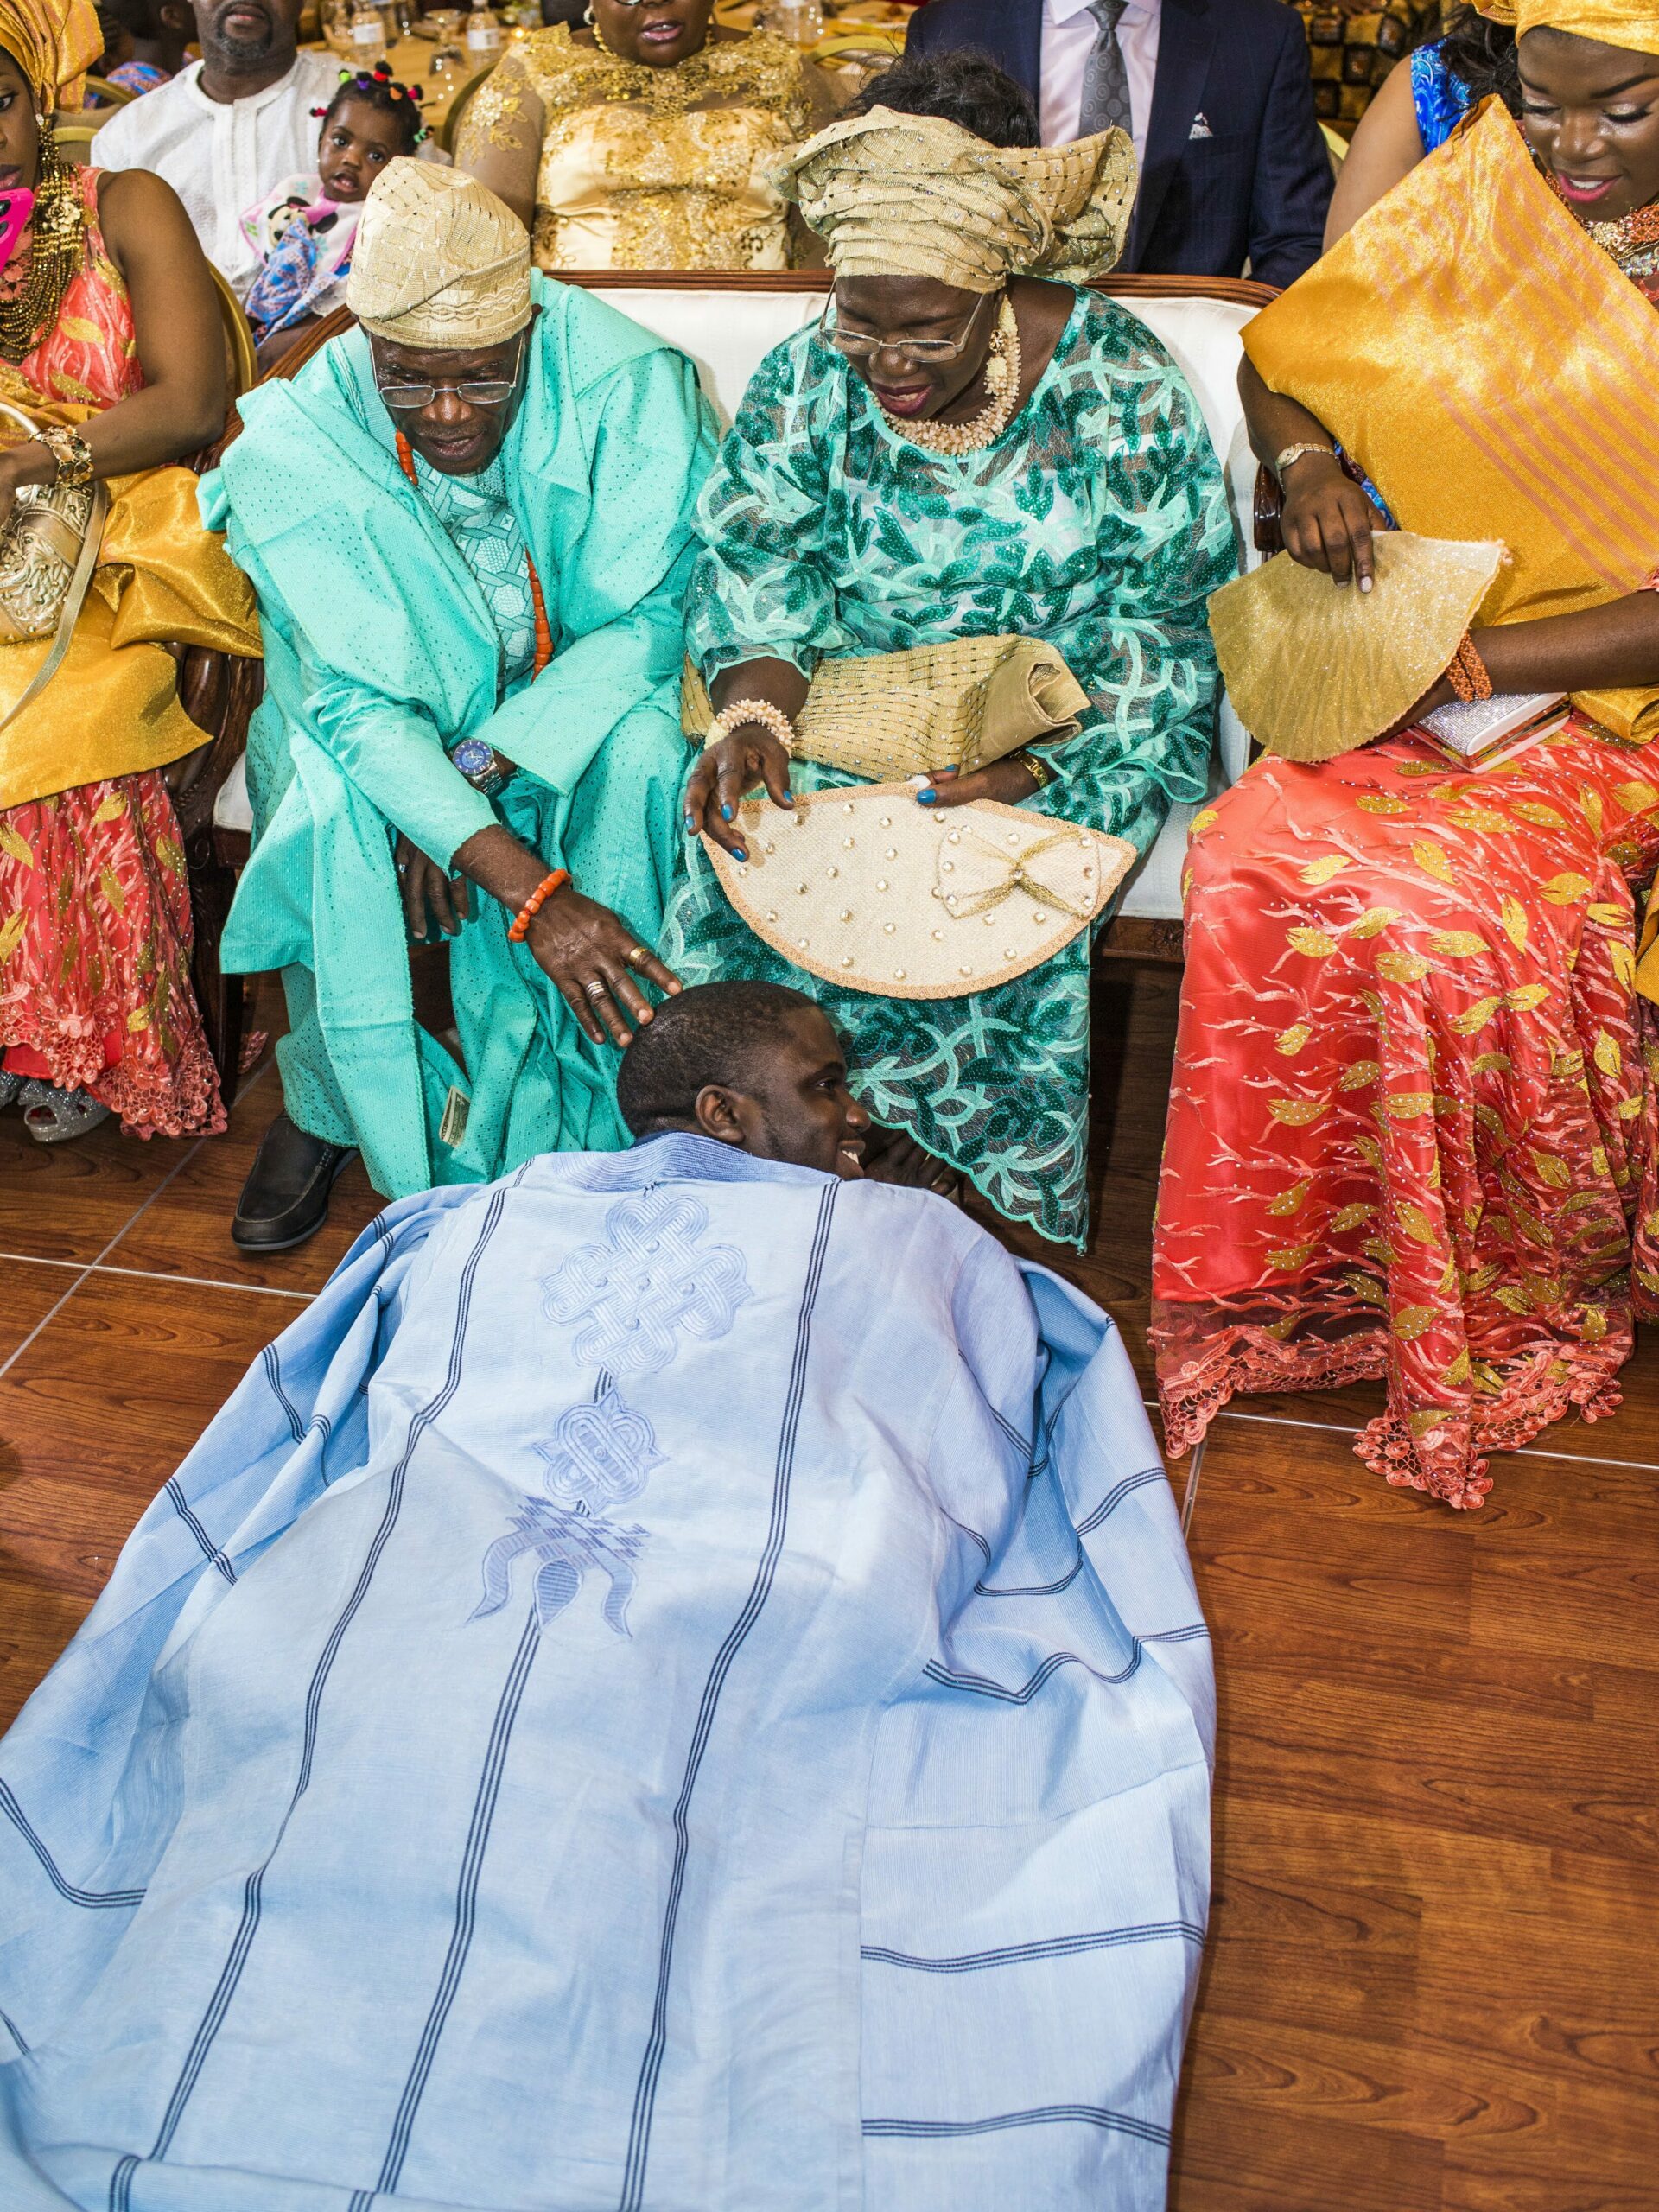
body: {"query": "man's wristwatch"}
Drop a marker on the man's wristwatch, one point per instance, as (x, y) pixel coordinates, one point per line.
(485, 769)
(1282, 461)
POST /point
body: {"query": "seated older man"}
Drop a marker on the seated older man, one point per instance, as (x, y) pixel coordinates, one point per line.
(595, 1722)
(468, 524)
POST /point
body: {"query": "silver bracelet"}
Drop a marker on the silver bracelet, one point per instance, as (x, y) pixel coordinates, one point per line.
(1282, 461)
(752, 710)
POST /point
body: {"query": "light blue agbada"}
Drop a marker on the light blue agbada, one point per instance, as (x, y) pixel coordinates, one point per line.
(382, 653)
(605, 1722)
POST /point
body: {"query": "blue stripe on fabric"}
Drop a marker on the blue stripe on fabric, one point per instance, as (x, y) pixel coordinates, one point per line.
(13, 2031)
(1173, 1635)
(972, 1535)
(360, 2200)
(1052, 1947)
(1120, 2123)
(1021, 1444)
(461, 1939)
(273, 1367)
(96, 1900)
(645, 2098)
(1115, 1497)
(981, 1686)
(210, 1549)
(1030, 1589)
(220, 2003)
(121, 2182)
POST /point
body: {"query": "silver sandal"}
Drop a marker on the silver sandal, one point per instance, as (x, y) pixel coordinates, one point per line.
(9, 1087)
(54, 1116)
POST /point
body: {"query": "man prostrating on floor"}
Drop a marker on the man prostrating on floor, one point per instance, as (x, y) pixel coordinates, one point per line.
(675, 1684)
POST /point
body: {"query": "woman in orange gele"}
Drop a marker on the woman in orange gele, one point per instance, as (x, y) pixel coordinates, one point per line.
(111, 346)
(1414, 1132)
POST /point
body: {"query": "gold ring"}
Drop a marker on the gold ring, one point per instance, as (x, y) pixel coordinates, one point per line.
(596, 989)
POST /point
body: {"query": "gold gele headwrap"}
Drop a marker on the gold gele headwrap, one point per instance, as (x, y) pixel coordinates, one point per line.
(54, 42)
(913, 195)
(1632, 24)
(439, 261)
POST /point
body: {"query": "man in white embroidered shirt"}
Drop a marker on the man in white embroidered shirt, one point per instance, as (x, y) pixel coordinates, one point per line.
(230, 127)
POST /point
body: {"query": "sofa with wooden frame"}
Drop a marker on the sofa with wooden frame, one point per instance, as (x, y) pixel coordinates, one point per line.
(726, 323)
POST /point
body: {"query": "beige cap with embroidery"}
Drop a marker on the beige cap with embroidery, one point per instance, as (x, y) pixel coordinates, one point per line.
(438, 261)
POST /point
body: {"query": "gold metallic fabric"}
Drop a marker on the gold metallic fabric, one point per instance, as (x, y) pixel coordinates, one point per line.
(1376, 652)
(55, 43)
(1494, 374)
(913, 195)
(1633, 24)
(439, 261)
(112, 708)
(957, 704)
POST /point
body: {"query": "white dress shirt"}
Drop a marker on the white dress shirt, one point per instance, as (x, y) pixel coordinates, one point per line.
(221, 155)
(1069, 36)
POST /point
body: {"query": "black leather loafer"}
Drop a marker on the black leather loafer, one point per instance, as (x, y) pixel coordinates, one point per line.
(285, 1198)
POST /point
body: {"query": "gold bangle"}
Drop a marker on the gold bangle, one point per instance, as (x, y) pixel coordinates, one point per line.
(1041, 775)
(72, 454)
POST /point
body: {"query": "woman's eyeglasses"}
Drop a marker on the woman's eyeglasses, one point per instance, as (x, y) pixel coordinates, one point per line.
(478, 391)
(865, 344)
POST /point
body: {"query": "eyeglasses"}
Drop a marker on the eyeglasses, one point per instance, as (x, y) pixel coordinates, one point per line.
(865, 344)
(484, 391)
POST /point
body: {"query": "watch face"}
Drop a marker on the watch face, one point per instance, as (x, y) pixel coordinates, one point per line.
(471, 756)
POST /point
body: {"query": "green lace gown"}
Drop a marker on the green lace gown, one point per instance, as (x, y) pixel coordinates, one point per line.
(1098, 521)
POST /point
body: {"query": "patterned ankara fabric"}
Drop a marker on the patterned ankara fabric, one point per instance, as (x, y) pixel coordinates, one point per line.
(488, 1782)
(95, 923)
(382, 651)
(478, 515)
(1440, 99)
(1097, 521)
(1413, 1130)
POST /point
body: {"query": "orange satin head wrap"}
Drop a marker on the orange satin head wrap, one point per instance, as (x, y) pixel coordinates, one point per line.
(1633, 24)
(54, 42)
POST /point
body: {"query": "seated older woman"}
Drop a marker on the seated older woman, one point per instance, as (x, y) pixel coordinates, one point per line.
(964, 450)
(109, 346)
(646, 139)
(468, 524)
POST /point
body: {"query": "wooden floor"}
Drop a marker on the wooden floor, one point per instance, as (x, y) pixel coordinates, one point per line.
(1433, 1978)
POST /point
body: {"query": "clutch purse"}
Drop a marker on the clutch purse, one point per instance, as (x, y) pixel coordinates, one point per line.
(885, 716)
(48, 548)
(1315, 670)
(862, 887)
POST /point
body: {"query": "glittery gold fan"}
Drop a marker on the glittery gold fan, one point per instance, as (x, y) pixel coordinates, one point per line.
(1316, 669)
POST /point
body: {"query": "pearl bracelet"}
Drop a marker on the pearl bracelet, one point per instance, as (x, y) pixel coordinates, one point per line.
(752, 710)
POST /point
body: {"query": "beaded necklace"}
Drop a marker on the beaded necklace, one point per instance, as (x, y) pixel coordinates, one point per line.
(56, 248)
(1001, 373)
(544, 633)
(1627, 240)
(674, 90)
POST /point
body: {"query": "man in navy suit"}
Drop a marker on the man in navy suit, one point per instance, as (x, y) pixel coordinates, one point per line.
(1217, 95)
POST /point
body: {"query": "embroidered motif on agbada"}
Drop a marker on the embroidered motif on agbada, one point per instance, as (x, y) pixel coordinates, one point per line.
(649, 1279)
(1535, 427)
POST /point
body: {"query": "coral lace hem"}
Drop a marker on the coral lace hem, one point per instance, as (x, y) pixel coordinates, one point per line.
(1414, 1127)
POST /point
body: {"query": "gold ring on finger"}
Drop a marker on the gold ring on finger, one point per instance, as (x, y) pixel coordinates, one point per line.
(596, 989)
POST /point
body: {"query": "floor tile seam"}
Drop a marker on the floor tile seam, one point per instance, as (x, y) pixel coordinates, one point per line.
(1520, 1451)
(46, 1319)
(205, 1282)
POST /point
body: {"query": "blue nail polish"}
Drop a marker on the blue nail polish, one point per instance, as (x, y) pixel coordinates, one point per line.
(690, 825)
(739, 855)
(927, 798)
(725, 813)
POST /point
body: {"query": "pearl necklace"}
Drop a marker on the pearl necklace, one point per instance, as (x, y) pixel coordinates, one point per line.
(1002, 374)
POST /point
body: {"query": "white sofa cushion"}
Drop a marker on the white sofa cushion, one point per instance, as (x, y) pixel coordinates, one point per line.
(727, 334)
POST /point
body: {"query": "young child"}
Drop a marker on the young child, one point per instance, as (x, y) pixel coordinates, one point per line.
(303, 230)
(144, 41)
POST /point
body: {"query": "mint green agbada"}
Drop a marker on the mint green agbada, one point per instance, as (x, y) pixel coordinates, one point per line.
(381, 654)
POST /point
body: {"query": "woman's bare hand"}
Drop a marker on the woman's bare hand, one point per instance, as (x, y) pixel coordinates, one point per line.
(1327, 521)
(427, 891)
(1007, 781)
(587, 951)
(749, 755)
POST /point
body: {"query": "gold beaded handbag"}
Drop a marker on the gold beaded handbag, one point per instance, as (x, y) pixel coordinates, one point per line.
(956, 705)
(48, 548)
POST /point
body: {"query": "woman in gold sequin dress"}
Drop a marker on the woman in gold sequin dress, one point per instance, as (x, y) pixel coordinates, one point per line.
(644, 140)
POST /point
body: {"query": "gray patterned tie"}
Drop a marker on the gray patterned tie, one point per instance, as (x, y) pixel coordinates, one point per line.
(1106, 80)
